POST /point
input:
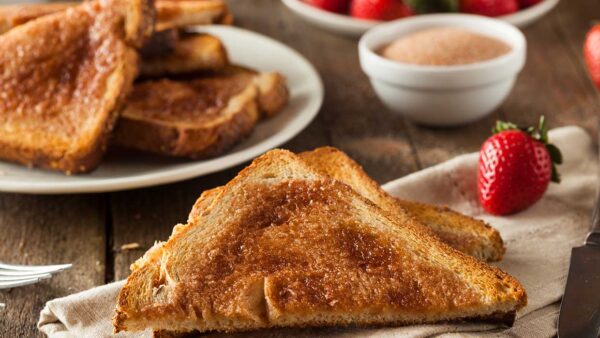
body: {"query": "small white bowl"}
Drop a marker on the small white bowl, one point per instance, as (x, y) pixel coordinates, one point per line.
(442, 95)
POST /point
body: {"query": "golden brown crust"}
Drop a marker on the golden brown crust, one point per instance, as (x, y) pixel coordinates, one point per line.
(283, 246)
(184, 13)
(61, 102)
(503, 319)
(190, 53)
(461, 232)
(274, 93)
(169, 13)
(272, 86)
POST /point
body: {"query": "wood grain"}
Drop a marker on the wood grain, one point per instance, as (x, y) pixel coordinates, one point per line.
(49, 230)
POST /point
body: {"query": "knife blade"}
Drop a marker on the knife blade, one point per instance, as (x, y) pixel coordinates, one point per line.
(580, 307)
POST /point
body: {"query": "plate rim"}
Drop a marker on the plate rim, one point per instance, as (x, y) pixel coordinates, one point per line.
(194, 170)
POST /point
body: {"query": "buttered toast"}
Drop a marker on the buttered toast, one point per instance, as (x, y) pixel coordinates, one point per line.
(283, 246)
(463, 233)
(64, 77)
(199, 117)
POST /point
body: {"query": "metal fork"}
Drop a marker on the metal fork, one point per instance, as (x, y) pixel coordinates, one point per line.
(12, 276)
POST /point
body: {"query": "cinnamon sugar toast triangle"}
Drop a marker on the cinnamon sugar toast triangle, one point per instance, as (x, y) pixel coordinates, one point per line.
(283, 246)
(463, 233)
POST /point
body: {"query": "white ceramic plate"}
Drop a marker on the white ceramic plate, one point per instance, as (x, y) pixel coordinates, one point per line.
(128, 170)
(346, 25)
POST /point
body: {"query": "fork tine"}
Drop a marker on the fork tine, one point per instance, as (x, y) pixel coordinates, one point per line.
(26, 273)
(17, 278)
(44, 268)
(14, 284)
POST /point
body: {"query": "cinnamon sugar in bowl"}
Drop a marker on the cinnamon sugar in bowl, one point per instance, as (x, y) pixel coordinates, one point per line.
(445, 46)
(443, 69)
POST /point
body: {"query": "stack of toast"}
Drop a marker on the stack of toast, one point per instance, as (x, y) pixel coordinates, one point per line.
(308, 239)
(80, 76)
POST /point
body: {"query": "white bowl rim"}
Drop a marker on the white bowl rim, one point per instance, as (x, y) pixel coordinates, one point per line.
(440, 20)
(441, 77)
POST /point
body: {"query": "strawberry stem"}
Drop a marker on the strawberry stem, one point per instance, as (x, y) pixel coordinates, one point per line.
(539, 134)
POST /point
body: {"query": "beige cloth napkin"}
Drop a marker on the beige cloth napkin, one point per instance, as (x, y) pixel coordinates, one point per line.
(539, 242)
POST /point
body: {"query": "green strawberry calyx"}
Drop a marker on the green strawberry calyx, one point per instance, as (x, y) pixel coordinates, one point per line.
(539, 134)
(433, 6)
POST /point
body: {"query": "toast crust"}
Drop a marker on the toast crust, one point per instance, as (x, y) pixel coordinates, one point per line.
(60, 103)
(182, 13)
(283, 246)
(504, 319)
(191, 53)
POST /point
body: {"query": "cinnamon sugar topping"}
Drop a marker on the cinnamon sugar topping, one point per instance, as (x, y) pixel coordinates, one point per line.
(445, 46)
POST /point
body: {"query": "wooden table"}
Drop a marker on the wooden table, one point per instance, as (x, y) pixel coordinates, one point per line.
(89, 230)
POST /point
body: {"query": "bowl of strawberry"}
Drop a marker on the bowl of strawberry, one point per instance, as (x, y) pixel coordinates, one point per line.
(355, 17)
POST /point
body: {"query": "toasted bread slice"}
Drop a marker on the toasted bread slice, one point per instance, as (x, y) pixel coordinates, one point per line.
(200, 117)
(190, 53)
(169, 13)
(64, 77)
(183, 13)
(283, 246)
(463, 233)
(194, 119)
(466, 234)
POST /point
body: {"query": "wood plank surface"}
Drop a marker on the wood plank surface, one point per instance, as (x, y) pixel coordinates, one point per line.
(49, 230)
(91, 230)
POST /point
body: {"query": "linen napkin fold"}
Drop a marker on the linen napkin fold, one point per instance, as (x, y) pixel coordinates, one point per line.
(539, 242)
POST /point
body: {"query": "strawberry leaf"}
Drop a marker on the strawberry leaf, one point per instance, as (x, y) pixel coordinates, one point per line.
(504, 126)
(433, 6)
(542, 130)
(555, 153)
(555, 175)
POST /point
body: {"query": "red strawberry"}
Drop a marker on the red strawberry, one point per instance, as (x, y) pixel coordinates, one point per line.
(515, 168)
(528, 3)
(337, 6)
(381, 10)
(489, 7)
(591, 52)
